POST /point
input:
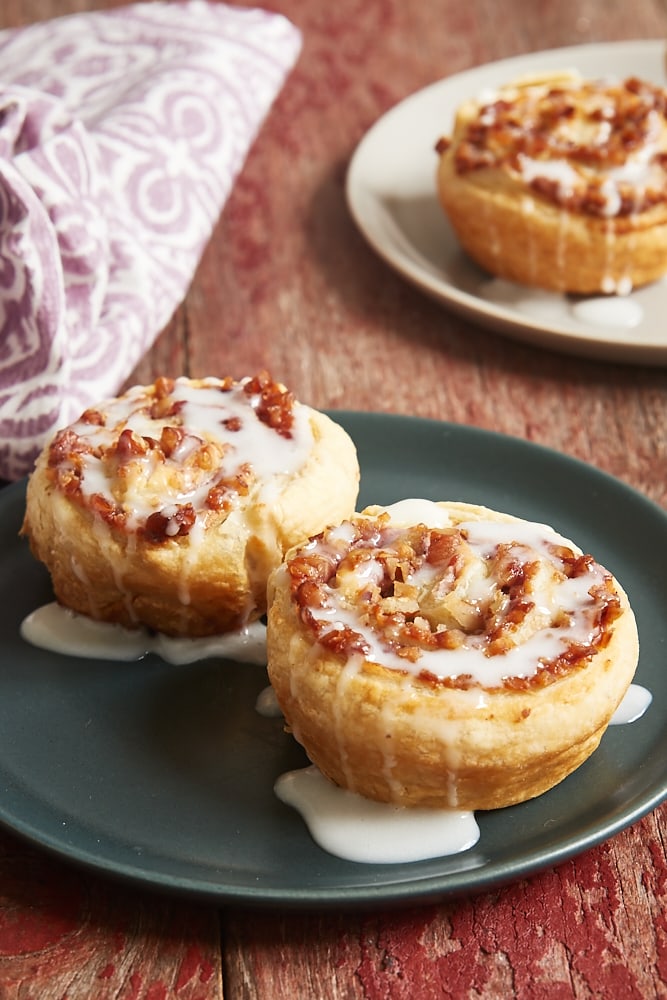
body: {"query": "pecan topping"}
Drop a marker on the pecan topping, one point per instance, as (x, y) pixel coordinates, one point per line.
(137, 461)
(162, 524)
(590, 130)
(276, 403)
(418, 590)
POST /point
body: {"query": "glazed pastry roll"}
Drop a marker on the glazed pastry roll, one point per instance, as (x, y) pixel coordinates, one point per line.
(446, 655)
(560, 182)
(168, 506)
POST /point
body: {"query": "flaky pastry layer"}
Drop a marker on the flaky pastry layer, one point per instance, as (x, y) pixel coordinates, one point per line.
(448, 670)
(169, 506)
(560, 183)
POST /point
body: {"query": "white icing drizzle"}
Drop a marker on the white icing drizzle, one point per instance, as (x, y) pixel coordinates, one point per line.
(561, 243)
(635, 702)
(195, 540)
(528, 209)
(495, 242)
(568, 179)
(608, 311)
(348, 672)
(341, 822)
(550, 597)
(267, 704)
(415, 510)
(119, 566)
(357, 829)
(559, 171)
(639, 170)
(615, 310)
(186, 454)
(59, 630)
(608, 283)
(203, 411)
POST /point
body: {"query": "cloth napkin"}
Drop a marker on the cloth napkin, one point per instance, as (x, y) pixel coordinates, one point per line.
(121, 134)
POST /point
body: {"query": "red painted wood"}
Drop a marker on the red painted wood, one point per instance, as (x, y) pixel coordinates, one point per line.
(65, 933)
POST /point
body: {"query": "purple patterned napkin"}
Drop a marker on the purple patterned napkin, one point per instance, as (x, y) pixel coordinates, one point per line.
(121, 134)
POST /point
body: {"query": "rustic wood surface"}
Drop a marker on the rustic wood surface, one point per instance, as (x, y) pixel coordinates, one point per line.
(288, 283)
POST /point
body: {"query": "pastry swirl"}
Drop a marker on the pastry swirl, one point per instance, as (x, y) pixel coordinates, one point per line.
(561, 182)
(447, 655)
(168, 506)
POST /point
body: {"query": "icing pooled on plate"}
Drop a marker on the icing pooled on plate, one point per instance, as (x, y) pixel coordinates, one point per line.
(357, 829)
(60, 630)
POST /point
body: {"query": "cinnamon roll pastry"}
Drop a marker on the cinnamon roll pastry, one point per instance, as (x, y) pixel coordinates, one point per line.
(446, 655)
(560, 182)
(168, 506)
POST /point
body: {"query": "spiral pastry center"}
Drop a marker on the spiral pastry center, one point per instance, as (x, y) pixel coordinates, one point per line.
(479, 603)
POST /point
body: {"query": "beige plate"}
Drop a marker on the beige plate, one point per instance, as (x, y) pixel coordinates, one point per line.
(391, 194)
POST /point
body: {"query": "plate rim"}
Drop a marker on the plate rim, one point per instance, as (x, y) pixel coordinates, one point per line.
(494, 316)
(408, 891)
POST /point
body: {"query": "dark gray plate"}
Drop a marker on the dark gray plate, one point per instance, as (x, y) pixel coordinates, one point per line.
(164, 774)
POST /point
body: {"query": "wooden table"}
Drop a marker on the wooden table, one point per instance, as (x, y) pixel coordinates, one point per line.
(287, 282)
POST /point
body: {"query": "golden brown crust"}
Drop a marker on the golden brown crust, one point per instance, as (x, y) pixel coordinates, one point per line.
(399, 737)
(560, 183)
(98, 521)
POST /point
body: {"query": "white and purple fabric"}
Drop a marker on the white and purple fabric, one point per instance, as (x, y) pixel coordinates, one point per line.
(121, 134)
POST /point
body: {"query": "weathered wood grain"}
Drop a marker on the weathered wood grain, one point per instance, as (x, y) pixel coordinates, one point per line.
(67, 934)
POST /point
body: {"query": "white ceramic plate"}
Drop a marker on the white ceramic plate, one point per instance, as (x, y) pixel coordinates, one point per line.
(391, 194)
